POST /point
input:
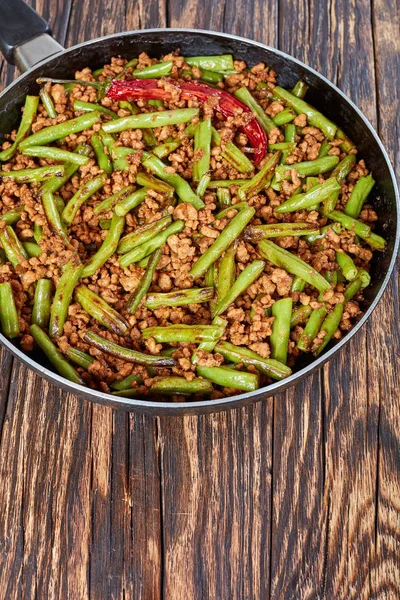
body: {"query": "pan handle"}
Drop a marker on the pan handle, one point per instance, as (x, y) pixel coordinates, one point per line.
(25, 38)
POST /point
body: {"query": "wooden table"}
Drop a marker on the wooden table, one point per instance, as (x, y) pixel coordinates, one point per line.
(293, 498)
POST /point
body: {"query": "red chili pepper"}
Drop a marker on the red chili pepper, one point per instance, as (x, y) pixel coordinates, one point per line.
(227, 104)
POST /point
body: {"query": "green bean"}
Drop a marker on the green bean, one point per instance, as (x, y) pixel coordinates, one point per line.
(238, 207)
(223, 241)
(205, 75)
(150, 182)
(142, 234)
(161, 69)
(311, 329)
(53, 216)
(8, 311)
(265, 121)
(84, 193)
(144, 284)
(339, 173)
(365, 278)
(347, 145)
(107, 248)
(34, 175)
(55, 357)
(82, 359)
(61, 130)
(137, 254)
(148, 136)
(30, 109)
(79, 105)
(103, 159)
(316, 195)
(151, 120)
(298, 284)
(324, 149)
(202, 147)
(164, 150)
(126, 382)
(359, 196)
(255, 233)
(210, 277)
(238, 380)
(183, 333)
(361, 229)
(300, 315)
(180, 385)
(284, 117)
(332, 277)
(48, 104)
(225, 183)
(226, 272)
(110, 202)
(261, 180)
(12, 216)
(279, 340)
(14, 250)
(179, 298)
(314, 117)
(267, 366)
(105, 224)
(329, 326)
(182, 188)
(300, 89)
(37, 233)
(53, 153)
(236, 158)
(54, 184)
(100, 310)
(41, 303)
(98, 72)
(125, 205)
(289, 146)
(346, 265)
(307, 168)
(224, 198)
(222, 62)
(352, 289)
(245, 279)
(32, 249)
(293, 264)
(202, 185)
(208, 346)
(127, 354)
(129, 65)
(62, 298)
(290, 133)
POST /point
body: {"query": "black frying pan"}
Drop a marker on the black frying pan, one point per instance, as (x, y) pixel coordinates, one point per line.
(25, 41)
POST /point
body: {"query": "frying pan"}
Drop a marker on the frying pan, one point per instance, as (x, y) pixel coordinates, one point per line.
(25, 40)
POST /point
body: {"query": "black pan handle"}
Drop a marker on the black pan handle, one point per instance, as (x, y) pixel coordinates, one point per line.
(19, 25)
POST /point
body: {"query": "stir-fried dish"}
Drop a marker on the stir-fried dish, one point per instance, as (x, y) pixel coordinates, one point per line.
(181, 227)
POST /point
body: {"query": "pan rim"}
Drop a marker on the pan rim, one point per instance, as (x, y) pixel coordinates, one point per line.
(230, 402)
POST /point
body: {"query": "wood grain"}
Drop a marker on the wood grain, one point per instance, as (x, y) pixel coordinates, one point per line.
(295, 498)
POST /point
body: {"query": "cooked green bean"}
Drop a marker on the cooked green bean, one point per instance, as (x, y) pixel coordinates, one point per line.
(126, 383)
(222, 62)
(32, 249)
(111, 201)
(131, 64)
(307, 168)
(224, 198)
(267, 366)
(361, 229)
(202, 185)
(311, 329)
(238, 380)
(55, 183)
(300, 89)
(208, 346)
(183, 333)
(164, 150)
(144, 284)
(298, 284)
(103, 159)
(182, 188)
(329, 326)
(29, 113)
(226, 272)
(140, 252)
(293, 264)
(359, 196)
(316, 195)
(127, 354)
(142, 234)
(179, 298)
(352, 288)
(265, 121)
(8, 311)
(13, 248)
(150, 182)
(236, 158)
(100, 310)
(107, 248)
(48, 103)
(60, 131)
(82, 359)
(125, 205)
(346, 265)
(255, 233)
(202, 148)
(12, 216)
(225, 183)
(300, 315)
(81, 106)
(279, 340)
(238, 207)
(79, 198)
(223, 241)
(53, 153)
(161, 69)
(314, 117)
(41, 303)
(62, 298)
(34, 175)
(261, 180)
(245, 279)
(54, 356)
(53, 216)
(148, 135)
(284, 117)
(151, 120)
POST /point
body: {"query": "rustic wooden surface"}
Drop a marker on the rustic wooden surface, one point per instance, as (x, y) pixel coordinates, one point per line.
(294, 498)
